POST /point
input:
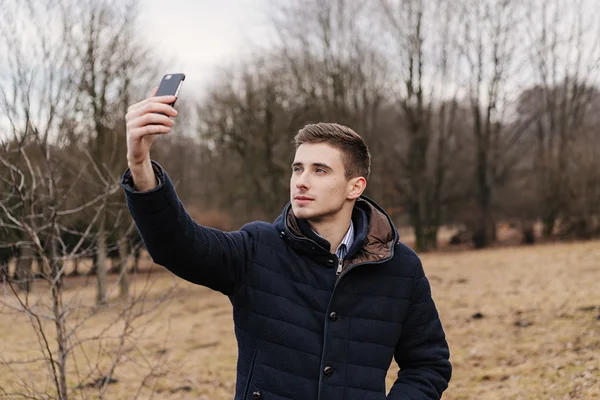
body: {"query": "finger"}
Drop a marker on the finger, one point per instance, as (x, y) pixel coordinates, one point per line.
(159, 108)
(139, 103)
(150, 130)
(149, 119)
(153, 118)
(165, 99)
(150, 107)
(160, 99)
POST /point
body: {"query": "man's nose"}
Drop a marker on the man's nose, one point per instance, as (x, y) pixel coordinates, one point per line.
(302, 181)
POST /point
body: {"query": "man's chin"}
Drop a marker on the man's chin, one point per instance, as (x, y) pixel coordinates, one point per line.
(301, 213)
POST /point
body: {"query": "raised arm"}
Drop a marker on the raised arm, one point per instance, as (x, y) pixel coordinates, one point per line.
(193, 252)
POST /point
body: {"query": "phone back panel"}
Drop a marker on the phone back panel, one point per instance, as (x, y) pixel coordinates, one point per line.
(169, 85)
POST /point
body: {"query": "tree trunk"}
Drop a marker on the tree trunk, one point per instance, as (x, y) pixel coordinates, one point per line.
(431, 235)
(549, 222)
(136, 259)
(420, 241)
(417, 167)
(23, 270)
(4, 272)
(101, 264)
(484, 233)
(417, 224)
(75, 271)
(425, 227)
(124, 258)
(528, 232)
(490, 225)
(59, 315)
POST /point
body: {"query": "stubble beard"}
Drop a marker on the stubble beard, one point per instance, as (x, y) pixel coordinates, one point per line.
(316, 215)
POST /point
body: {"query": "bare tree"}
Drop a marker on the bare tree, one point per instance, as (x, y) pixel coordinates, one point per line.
(335, 71)
(581, 218)
(320, 69)
(33, 87)
(47, 217)
(247, 118)
(35, 185)
(565, 55)
(113, 63)
(490, 46)
(424, 94)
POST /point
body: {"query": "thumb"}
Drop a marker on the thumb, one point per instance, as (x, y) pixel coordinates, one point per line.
(154, 91)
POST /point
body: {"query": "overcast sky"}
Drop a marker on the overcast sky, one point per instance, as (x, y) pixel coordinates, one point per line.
(201, 35)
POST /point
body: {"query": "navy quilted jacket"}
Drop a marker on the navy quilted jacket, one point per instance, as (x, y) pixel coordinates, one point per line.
(303, 332)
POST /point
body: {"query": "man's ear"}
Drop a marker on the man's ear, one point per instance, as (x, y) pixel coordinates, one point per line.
(356, 187)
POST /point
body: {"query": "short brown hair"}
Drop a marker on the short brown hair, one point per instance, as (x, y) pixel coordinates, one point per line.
(355, 153)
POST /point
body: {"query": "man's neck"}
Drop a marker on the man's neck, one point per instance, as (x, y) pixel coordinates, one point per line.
(333, 230)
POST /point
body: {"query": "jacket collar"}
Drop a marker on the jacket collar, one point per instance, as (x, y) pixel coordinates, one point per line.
(375, 235)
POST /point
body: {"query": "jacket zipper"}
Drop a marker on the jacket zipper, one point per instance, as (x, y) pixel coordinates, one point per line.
(340, 266)
(340, 263)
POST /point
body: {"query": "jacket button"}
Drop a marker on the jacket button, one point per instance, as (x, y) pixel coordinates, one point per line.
(329, 263)
(333, 316)
(327, 371)
(256, 396)
(282, 234)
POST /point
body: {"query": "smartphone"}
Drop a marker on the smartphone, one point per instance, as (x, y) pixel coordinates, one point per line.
(170, 85)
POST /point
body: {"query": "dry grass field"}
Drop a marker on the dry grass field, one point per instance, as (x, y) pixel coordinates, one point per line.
(522, 323)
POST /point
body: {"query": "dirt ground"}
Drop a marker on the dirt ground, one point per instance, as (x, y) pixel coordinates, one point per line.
(522, 323)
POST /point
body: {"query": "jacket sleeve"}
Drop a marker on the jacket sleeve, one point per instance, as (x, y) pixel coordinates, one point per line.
(422, 352)
(198, 254)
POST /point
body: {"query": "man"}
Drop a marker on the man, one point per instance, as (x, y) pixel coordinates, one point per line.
(324, 297)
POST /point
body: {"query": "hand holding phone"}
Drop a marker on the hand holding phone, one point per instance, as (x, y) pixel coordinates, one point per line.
(149, 118)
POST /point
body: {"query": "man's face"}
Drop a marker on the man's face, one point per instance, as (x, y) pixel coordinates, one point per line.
(318, 187)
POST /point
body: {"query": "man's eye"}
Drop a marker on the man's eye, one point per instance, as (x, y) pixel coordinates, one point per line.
(297, 169)
(320, 170)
